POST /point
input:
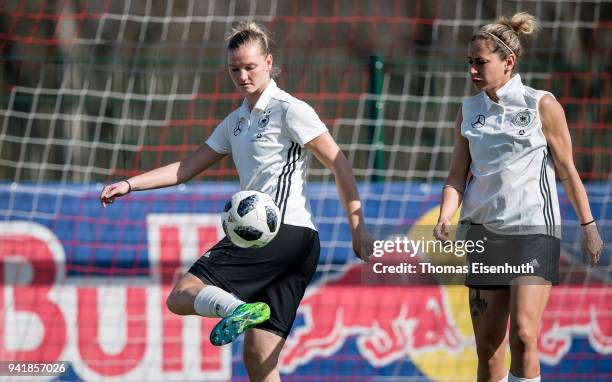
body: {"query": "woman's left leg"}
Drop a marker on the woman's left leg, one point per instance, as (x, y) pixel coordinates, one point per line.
(261, 352)
(528, 298)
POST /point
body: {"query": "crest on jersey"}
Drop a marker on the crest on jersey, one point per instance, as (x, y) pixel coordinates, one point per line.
(522, 118)
(264, 119)
(479, 121)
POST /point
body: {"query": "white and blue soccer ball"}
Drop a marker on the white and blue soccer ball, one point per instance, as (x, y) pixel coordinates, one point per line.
(251, 219)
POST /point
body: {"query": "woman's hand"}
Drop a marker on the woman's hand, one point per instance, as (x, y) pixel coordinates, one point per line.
(363, 243)
(442, 229)
(591, 245)
(112, 191)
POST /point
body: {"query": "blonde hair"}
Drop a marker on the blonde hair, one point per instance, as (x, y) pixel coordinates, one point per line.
(506, 33)
(248, 32)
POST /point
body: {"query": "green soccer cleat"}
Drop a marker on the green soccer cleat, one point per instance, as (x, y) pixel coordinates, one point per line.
(244, 317)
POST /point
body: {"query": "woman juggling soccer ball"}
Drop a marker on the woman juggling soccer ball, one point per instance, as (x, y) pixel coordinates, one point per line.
(268, 137)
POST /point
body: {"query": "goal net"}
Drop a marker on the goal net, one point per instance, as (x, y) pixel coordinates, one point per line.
(97, 91)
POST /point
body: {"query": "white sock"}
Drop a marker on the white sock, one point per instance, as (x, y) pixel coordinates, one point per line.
(504, 379)
(512, 378)
(215, 302)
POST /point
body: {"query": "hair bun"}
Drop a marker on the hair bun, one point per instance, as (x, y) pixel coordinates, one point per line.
(521, 23)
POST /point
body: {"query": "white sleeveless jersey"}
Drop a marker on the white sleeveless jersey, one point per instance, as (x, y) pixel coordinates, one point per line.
(267, 146)
(512, 189)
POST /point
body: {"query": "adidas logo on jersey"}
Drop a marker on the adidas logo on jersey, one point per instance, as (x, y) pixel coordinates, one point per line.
(534, 263)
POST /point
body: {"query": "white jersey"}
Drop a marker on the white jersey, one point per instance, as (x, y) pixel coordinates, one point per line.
(512, 189)
(267, 145)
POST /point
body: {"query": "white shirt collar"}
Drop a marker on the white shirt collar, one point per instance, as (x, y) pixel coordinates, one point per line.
(511, 90)
(264, 98)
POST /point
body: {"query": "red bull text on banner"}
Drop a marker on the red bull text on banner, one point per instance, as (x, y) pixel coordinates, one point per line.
(88, 287)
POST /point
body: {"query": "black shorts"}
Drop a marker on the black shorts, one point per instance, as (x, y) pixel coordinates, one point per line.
(276, 274)
(511, 254)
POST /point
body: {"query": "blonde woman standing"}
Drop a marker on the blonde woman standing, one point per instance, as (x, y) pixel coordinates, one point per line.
(513, 141)
(268, 137)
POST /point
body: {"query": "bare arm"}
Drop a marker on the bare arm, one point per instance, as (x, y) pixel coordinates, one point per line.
(452, 192)
(169, 175)
(559, 140)
(327, 151)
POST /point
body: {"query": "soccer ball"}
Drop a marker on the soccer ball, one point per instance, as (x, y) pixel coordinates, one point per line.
(250, 219)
